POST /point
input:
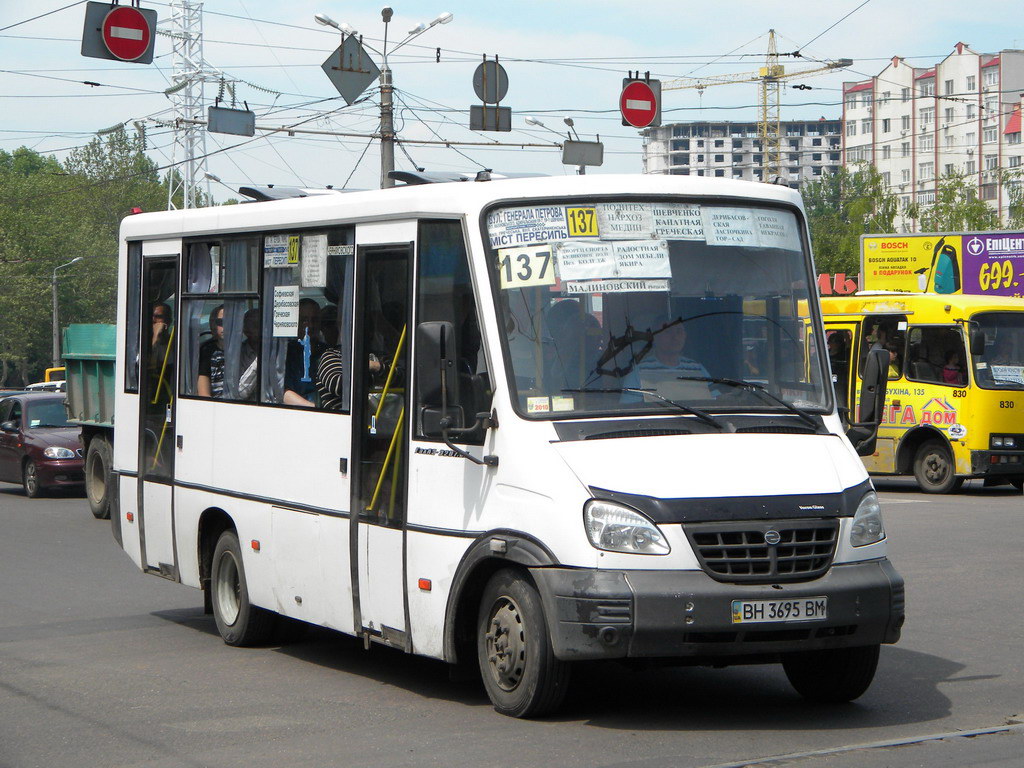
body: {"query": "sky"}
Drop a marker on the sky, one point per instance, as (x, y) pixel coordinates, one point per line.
(563, 59)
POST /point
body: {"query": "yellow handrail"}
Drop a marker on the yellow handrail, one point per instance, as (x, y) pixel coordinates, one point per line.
(391, 373)
(387, 460)
(163, 367)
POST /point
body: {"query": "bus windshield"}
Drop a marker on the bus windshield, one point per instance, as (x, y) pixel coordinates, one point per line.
(1001, 365)
(629, 306)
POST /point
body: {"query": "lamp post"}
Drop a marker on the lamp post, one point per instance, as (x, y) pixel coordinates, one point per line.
(56, 323)
(387, 114)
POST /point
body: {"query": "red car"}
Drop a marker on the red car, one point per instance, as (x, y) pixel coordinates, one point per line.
(38, 448)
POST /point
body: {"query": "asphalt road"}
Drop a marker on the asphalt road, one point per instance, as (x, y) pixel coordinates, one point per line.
(103, 666)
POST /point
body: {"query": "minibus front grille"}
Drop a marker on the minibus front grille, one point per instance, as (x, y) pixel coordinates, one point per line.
(738, 552)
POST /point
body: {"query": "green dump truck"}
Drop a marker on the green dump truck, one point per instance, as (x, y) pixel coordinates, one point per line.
(89, 352)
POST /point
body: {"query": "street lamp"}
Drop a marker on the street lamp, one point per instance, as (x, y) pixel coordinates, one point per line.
(387, 113)
(56, 325)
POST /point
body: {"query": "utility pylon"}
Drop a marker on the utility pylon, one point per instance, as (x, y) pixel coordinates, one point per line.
(188, 153)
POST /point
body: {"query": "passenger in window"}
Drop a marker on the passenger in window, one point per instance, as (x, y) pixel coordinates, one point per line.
(161, 332)
(895, 366)
(211, 359)
(302, 357)
(573, 355)
(667, 350)
(953, 371)
(330, 380)
(249, 355)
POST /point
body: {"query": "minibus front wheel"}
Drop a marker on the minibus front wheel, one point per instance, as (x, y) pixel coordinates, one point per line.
(517, 662)
(833, 675)
(935, 468)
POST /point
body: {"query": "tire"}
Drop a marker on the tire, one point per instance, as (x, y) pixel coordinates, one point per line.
(30, 480)
(934, 468)
(97, 477)
(834, 675)
(239, 622)
(517, 662)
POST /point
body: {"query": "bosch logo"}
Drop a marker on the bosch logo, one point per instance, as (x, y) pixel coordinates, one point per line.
(896, 246)
(772, 537)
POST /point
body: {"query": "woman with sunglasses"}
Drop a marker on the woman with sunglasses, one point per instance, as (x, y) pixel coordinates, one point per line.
(211, 358)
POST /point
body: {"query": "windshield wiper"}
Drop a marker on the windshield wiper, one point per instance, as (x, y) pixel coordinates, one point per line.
(757, 389)
(704, 416)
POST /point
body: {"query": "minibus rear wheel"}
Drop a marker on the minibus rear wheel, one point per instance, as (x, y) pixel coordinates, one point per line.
(517, 662)
(934, 468)
(832, 675)
(239, 622)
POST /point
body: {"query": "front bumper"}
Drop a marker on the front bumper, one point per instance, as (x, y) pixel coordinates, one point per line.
(601, 614)
(58, 473)
(1007, 463)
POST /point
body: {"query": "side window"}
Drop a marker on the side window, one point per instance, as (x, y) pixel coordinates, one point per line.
(221, 320)
(445, 293)
(15, 415)
(307, 306)
(132, 320)
(936, 355)
(888, 331)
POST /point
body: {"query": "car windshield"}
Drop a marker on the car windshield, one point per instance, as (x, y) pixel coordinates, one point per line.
(1001, 365)
(47, 413)
(627, 306)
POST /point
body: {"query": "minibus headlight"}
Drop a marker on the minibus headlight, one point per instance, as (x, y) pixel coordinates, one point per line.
(56, 452)
(867, 522)
(616, 528)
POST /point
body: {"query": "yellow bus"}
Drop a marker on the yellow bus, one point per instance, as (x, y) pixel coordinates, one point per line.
(954, 408)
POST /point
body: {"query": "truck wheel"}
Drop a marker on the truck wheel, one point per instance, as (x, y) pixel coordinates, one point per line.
(30, 480)
(239, 622)
(934, 469)
(97, 477)
(833, 675)
(518, 665)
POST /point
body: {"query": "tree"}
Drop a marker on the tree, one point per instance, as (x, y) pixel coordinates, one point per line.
(51, 213)
(841, 207)
(957, 207)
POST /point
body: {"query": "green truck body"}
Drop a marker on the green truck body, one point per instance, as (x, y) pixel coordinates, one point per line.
(89, 354)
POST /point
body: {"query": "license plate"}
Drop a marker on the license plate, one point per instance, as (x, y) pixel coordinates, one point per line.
(762, 611)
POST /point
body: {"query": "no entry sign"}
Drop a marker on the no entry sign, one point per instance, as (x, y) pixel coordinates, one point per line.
(640, 103)
(121, 33)
(126, 33)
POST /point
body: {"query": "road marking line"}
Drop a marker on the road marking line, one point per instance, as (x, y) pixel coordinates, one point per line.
(872, 745)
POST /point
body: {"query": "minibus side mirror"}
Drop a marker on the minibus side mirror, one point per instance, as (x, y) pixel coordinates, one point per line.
(437, 387)
(9, 426)
(437, 380)
(864, 433)
(977, 341)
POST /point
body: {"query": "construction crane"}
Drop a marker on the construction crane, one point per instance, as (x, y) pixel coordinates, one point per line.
(769, 77)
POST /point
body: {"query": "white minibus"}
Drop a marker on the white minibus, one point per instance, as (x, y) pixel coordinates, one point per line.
(508, 423)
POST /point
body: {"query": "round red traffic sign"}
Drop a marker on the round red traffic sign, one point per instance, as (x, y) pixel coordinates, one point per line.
(638, 104)
(126, 33)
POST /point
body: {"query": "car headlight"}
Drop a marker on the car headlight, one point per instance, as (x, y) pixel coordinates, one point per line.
(616, 528)
(54, 452)
(867, 522)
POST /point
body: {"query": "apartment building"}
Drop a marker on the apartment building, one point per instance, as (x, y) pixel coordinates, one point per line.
(915, 124)
(733, 150)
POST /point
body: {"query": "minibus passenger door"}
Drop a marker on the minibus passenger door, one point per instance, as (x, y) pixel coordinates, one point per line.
(380, 460)
(157, 388)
